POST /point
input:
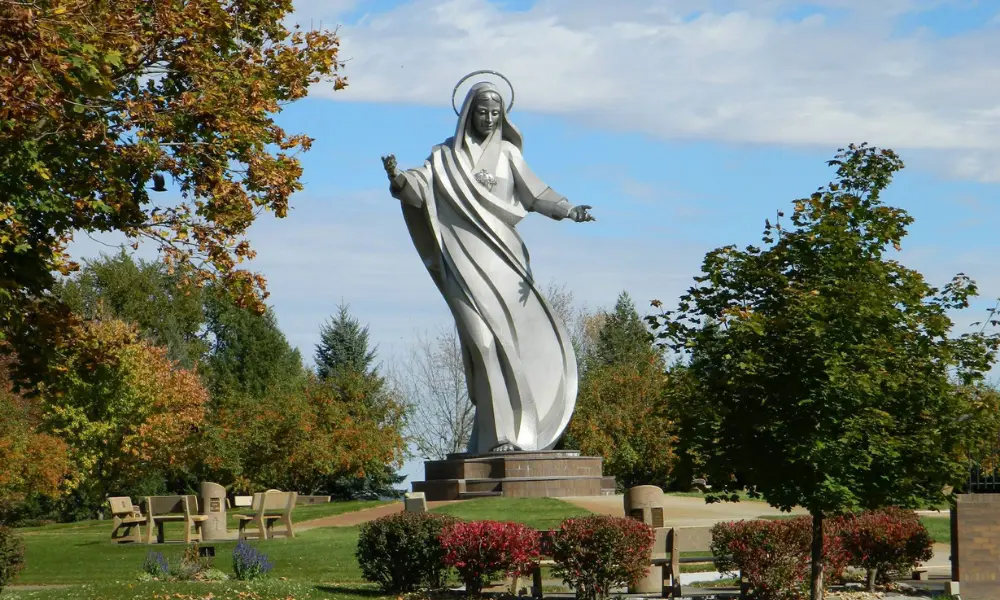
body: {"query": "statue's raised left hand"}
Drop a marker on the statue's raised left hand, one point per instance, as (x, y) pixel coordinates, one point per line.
(580, 214)
(389, 164)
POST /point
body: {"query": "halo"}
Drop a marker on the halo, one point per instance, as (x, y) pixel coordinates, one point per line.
(482, 72)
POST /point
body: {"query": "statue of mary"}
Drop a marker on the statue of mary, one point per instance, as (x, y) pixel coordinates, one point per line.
(460, 208)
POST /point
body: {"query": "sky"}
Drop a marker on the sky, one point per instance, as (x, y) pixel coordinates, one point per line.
(684, 123)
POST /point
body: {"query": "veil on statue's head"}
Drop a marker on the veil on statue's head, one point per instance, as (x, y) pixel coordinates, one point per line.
(508, 131)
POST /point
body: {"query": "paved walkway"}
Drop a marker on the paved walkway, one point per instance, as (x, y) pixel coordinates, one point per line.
(684, 511)
(358, 517)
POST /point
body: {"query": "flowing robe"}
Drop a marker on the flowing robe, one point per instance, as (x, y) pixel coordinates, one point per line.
(520, 365)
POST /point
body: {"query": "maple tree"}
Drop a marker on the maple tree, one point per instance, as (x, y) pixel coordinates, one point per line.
(826, 374)
(98, 99)
(34, 462)
(302, 438)
(125, 410)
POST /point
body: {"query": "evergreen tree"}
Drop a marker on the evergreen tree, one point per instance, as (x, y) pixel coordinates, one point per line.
(623, 336)
(344, 345)
(249, 356)
(343, 354)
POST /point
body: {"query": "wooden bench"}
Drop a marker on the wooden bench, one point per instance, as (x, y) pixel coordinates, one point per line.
(127, 519)
(669, 544)
(163, 509)
(268, 507)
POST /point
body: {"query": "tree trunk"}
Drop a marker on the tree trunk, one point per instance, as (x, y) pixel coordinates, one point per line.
(871, 579)
(816, 579)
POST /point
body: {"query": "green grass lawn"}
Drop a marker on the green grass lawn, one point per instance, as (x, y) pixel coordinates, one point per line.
(318, 563)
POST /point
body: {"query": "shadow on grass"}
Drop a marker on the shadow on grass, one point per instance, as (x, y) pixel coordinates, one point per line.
(348, 590)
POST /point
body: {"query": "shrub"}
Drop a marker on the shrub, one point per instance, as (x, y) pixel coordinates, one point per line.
(11, 555)
(402, 552)
(774, 555)
(482, 551)
(885, 542)
(192, 565)
(597, 553)
(155, 565)
(249, 563)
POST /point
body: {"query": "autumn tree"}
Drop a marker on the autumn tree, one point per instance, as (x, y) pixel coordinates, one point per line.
(35, 463)
(622, 410)
(99, 101)
(826, 371)
(166, 306)
(345, 361)
(302, 439)
(128, 413)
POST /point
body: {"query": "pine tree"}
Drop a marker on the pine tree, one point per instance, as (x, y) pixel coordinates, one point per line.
(344, 345)
(342, 354)
(623, 336)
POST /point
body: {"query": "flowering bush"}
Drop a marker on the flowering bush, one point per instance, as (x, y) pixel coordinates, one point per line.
(483, 550)
(885, 542)
(156, 565)
(597, 553)
(402, 552)
(250, 563)
(11, 555)
(774, 556)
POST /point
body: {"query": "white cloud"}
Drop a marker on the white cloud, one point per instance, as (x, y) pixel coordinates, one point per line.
(737, 71)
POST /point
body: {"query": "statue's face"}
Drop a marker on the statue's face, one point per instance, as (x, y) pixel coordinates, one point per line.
(485, 114)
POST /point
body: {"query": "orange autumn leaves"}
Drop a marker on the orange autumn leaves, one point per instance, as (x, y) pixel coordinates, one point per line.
(123, 407)
(33, 461)
(121, 412)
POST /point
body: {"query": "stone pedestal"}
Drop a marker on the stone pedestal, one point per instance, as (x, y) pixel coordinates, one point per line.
(645, 503)
(518, 474)
(213, 504)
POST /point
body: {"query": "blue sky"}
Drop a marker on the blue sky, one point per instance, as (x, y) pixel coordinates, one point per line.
(683, 123)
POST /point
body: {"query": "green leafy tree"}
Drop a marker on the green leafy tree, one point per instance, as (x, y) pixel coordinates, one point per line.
(344, 345)
(621, 412)
(249, 355)
(826, 370)
(165, 304)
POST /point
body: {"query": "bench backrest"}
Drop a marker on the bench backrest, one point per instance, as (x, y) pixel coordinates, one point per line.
(121, 506)
(166, 505)
(273, 501)
(692, 539)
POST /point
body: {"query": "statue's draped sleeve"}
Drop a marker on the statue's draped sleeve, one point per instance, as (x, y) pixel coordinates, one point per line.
(410, 186)
(532, 191)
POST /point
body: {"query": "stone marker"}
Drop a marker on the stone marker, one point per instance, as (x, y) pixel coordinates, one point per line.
(645, 503)
(213, 505)
(415, 502)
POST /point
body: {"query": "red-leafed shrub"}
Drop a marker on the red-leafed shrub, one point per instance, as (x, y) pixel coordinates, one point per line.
(595, 554)
(885, 542)
(482, 551)
(774, 556)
